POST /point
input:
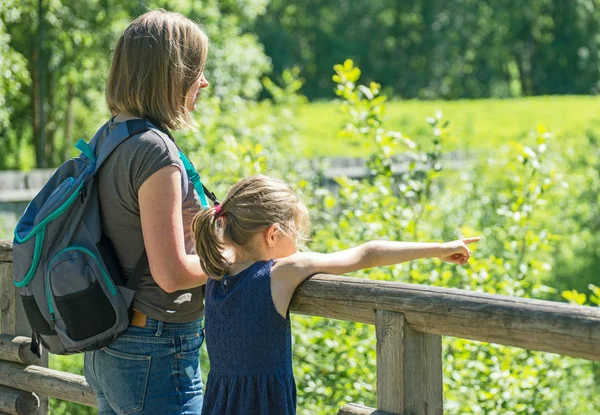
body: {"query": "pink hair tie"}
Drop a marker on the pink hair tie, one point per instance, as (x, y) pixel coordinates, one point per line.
(218, 211)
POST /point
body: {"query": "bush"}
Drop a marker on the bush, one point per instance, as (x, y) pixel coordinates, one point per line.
(506, 196)
(534, 201)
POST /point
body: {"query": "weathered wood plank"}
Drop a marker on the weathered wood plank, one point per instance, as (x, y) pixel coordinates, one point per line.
(12, 179)
(17, 349)
(18, 179)
(6, 250)
(389, 328)
(534, 324)
(423, 373)
(13, 401)
(13, 318)
(409, 367)
(48, 382)
(22, 324)
(8, 300)
(37, 178)
(21, 195)
(353, 409)
(335, 308)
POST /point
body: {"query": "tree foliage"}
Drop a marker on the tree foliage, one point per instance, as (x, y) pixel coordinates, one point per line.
(13, 84)
(440, 48)
(58, 55)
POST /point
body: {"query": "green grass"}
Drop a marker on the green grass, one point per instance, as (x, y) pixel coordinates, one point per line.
(476, 124)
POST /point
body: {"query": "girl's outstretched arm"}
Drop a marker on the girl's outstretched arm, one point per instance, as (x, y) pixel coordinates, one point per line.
(289, 272)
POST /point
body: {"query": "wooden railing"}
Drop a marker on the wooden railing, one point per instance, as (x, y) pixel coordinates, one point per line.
(410, 321)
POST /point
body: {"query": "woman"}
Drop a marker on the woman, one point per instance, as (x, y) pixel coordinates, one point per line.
(153, 367)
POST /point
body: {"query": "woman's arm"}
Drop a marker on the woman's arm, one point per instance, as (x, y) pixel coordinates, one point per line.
(162, 227)
(288, 273)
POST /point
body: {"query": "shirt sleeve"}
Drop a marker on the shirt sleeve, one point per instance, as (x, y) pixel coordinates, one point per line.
(148, 153)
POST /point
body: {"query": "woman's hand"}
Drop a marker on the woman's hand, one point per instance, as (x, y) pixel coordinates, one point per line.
(457, 252)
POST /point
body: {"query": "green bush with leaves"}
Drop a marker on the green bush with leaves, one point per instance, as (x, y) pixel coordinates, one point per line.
(528, 199)
(70, 364)
(508, 197)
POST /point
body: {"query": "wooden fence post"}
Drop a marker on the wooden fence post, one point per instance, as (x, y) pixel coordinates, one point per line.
(12, 315)
(409, 367)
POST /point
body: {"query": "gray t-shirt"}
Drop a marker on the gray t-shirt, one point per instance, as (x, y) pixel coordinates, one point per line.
(119, 180)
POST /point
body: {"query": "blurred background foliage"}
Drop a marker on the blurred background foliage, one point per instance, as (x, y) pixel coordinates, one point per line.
(439, 48)
(523, 172)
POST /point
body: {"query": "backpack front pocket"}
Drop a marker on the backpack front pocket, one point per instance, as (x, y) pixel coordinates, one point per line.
(82, 298)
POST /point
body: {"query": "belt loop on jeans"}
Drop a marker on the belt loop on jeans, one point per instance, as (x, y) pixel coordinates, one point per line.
(160, 328)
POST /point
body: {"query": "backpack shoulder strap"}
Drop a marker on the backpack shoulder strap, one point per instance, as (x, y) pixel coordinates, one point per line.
(193, 175)
(123, 131)
(99, 155)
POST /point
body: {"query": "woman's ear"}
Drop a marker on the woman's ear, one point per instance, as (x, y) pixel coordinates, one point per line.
(271, 235)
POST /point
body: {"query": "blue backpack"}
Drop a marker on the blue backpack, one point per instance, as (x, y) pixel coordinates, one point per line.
(72, 287)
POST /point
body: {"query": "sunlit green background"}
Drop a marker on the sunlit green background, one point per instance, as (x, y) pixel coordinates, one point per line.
(492, 105)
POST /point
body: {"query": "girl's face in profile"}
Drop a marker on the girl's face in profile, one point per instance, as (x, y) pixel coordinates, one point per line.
(194, 92)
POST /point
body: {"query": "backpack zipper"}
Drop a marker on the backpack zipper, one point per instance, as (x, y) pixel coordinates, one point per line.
(59, 211)
(83, 192)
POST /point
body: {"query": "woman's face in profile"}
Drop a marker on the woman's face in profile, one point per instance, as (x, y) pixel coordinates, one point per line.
(194, 92)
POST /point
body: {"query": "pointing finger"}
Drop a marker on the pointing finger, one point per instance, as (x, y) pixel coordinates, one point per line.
(467, 241)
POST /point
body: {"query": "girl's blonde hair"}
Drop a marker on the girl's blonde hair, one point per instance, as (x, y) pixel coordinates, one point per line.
(156, 61)
(251, 205)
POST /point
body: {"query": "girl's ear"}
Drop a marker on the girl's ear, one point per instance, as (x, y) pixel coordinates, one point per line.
(271, 234)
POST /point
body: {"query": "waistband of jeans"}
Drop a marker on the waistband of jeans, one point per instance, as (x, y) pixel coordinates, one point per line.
(153, 324)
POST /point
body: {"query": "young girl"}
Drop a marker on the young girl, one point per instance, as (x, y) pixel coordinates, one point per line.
(249, 251)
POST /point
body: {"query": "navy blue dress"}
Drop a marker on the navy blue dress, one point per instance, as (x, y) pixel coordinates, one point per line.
(249, 346)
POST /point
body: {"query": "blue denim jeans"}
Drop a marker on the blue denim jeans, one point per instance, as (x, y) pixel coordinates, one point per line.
(150, 370)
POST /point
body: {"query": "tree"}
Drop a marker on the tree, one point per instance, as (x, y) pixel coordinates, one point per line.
(440, 49)
(12, 83)
(66, 50)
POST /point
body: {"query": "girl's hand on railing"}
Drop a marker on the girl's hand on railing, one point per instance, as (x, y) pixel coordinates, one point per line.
(457, 252)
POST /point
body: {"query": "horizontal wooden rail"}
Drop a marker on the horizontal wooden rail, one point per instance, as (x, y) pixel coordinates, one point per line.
(18, 402)
(353, 409)
(61, 385)
(17, 349)
(6, 250)
(533, 324)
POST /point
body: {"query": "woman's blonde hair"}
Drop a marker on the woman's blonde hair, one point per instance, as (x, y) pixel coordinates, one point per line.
(251, 205)
(156, 61)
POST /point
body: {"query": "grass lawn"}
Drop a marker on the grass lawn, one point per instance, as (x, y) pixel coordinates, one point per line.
(476, 124)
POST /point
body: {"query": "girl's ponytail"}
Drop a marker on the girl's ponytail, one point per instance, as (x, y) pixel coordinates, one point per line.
(251, 205)
(209, 245)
